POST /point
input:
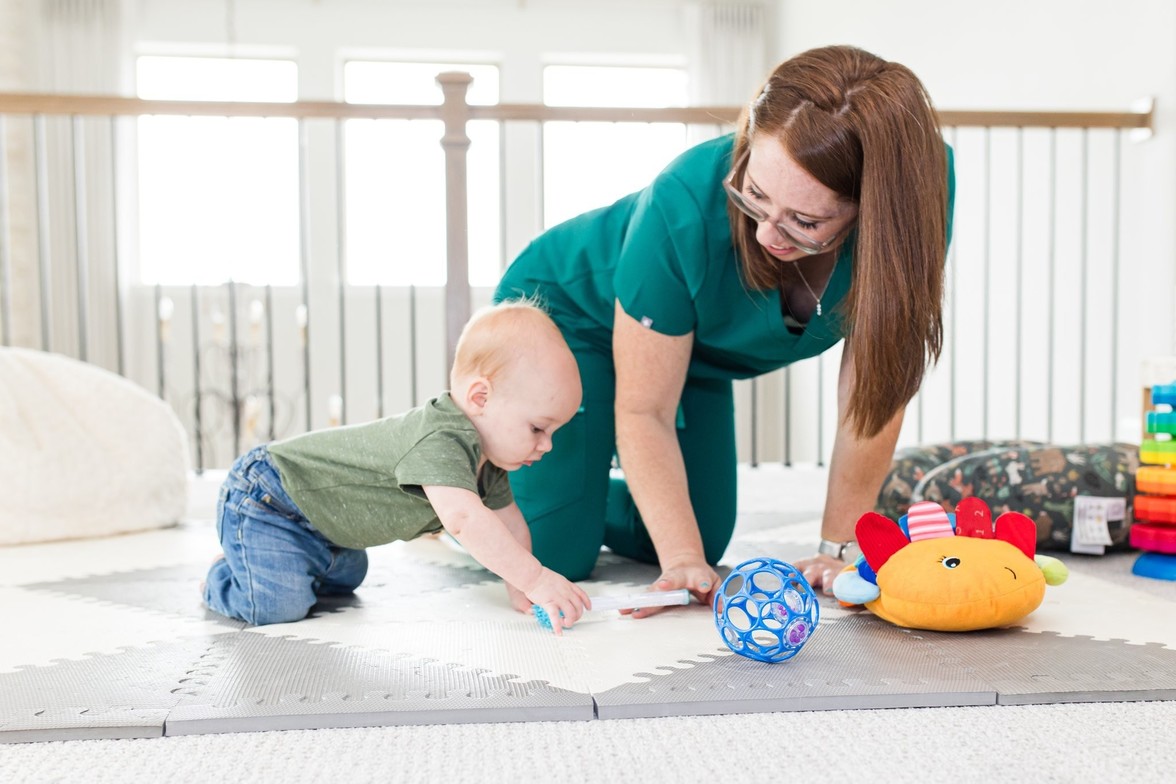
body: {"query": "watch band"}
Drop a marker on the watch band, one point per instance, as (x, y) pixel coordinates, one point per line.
(842, 551)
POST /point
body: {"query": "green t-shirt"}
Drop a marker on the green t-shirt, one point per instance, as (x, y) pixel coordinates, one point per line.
(667, 255)
(360, 485)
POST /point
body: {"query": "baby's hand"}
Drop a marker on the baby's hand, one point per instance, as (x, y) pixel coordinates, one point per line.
(518, 599)
(562, 600)
(696, 576)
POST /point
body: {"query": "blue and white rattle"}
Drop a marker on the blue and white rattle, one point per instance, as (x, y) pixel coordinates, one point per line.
(630, 601)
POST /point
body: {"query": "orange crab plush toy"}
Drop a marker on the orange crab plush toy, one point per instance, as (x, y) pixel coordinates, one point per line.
(955, 573)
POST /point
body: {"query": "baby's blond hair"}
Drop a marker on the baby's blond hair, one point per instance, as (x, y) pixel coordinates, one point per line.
(497, 335)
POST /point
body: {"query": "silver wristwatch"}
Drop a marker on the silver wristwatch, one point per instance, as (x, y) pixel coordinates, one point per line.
(842, 551)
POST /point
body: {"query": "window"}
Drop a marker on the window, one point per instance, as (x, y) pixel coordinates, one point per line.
(218, 197)
(592, 164)
(395, 179)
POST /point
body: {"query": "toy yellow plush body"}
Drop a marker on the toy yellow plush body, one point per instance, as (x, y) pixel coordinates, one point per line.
(928, 571)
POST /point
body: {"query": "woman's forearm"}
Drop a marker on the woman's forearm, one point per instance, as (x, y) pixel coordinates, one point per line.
(656, 474)
(856, 472)
(858, 464)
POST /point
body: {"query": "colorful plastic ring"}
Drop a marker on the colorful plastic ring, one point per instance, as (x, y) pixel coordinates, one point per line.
(1154, 538)
(1164, 394)
(1155, 565)
(1156, 479)
(1155, 508)
(1157, 452)
(1161, 421)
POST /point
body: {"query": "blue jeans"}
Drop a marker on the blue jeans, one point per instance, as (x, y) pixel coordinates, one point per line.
(276, 564)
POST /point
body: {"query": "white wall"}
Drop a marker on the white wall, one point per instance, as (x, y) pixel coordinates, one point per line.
(1000, 54)
(1048, 54)
(519, 34)
(1043, 54)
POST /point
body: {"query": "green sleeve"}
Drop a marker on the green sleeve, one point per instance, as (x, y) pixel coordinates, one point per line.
(650, 281)
(443, 458)
(496, 487)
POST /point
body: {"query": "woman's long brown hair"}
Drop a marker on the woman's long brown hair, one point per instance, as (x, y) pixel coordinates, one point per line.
(865, 128)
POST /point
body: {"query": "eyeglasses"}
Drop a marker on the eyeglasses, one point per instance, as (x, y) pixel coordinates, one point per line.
(798, 240)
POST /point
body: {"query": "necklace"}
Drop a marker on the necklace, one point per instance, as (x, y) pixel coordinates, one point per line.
(796, 266)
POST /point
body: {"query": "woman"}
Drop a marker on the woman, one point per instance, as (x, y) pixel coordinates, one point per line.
(825, 216)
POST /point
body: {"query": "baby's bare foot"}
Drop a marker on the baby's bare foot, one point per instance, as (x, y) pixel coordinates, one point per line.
(203, 584)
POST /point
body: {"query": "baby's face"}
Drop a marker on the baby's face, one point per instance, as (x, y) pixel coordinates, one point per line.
(527, 405)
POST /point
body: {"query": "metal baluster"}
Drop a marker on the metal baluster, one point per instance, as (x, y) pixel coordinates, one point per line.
(81, 232)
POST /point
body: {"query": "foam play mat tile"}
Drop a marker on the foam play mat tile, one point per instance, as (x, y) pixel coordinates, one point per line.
(107, 638)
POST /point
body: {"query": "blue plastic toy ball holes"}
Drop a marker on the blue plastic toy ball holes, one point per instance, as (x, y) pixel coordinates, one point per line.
(766, 610)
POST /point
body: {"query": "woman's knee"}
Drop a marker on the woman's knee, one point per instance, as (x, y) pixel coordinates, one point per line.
(714, 542)
(564, 546)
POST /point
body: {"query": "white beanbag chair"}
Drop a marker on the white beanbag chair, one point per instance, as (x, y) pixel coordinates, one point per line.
(84, 452)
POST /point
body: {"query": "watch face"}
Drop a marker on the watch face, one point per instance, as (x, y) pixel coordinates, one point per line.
(844, 551)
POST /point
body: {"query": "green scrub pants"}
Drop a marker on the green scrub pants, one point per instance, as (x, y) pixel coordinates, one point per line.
(572, 505)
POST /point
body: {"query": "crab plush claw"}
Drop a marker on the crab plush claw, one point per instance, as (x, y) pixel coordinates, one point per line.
(961, 572)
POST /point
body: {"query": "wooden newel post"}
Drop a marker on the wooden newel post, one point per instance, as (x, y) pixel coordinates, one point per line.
(456, 143)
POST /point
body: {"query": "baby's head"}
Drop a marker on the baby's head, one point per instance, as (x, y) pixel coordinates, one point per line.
(516, 379)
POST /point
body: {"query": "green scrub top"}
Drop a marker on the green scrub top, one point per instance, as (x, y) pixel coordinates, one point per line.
(666, 254)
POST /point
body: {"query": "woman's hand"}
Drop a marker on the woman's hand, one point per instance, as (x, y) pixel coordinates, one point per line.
(820, 571)
(696, 576)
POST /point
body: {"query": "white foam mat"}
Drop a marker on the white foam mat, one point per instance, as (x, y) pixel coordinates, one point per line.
(108, 638)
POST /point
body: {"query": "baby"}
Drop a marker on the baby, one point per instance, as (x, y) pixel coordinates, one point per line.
(295, 516)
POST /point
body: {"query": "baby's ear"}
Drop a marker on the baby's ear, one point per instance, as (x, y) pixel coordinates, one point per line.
(477, 394)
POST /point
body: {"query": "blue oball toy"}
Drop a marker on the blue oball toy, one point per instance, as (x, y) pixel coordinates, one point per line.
(766, 610)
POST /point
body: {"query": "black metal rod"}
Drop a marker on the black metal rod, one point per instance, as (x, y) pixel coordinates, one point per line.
(1116, 187)
(81, 233)
(820, 410)
(304, 259)
(412, 343)
(919, 416)
(1019, 222)
(1053, 245)
(341, 260)
(42, 188)
(269, 358)
(788, 416)
(198, 392)
(157, 312)
(754, 422)
(952, 261)
(1083, 285)
(503, 200)
(5, 248)
(987, 223)
(379, 353)
(119, 338)
(234, 370)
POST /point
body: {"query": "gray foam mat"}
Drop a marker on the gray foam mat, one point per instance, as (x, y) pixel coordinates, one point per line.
(1028, 668)
(128, 694)
(430, 638)
(263, 683)
(853, 662)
